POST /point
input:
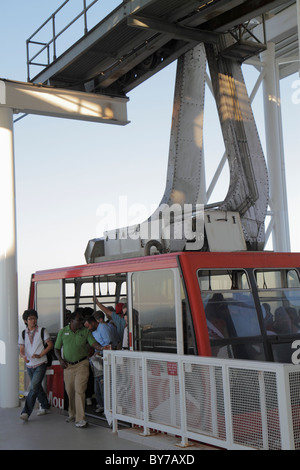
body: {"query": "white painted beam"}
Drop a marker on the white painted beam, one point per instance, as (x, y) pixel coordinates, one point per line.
(280, 25)
(48, 101)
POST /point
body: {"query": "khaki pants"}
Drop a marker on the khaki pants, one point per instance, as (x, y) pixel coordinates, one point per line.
(76, 377)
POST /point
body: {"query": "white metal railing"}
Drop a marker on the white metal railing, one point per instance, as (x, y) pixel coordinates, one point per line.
(230, 403)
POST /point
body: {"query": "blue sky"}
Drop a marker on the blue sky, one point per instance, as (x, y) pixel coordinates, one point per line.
(66, 169)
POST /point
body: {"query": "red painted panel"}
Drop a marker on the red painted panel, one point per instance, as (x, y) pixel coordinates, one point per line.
(110, 267)
(55, 386)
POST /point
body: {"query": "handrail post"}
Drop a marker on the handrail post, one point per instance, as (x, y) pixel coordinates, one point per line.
(146, 431)
(114, 394)
(182, 403)
(54, 38)
(285, 408)
(28, 61)
(48, 54)
(227, 406)
(85, 17)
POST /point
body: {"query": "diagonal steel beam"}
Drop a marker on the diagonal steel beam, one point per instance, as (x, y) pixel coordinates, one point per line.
(174, 30)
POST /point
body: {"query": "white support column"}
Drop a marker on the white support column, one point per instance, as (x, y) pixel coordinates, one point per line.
(9, 386)
(275, 154)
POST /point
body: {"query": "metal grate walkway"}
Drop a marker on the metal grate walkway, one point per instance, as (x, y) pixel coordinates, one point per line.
(116, 52)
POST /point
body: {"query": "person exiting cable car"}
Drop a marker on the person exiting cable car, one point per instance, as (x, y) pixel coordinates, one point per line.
(34, 353)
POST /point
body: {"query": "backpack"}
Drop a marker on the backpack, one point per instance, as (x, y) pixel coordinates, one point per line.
(49, 354)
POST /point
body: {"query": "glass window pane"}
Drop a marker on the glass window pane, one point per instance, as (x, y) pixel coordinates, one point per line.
(277, 279)
(86, 299)
(293, 278)
(187, 323)
(252, 351)
(230, 315)
(217, 280)
(282, 352)
(281, 311)
(228, 303)
(48, 305)
(279, 295)
(154, 320)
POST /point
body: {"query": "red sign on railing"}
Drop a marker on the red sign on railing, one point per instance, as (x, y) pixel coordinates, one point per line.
(172, 368)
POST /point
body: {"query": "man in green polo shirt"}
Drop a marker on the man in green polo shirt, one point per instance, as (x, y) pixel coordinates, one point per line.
(74, 339)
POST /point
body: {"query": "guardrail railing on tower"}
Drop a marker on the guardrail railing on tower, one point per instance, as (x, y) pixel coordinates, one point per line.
(42, 52)
(231, 404)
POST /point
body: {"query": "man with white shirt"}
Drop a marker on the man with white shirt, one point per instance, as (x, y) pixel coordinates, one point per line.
(34, 353)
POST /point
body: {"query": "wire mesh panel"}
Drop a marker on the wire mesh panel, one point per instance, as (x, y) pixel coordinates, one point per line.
(108, 387)
(294, 382)
(163, 392)
(269, 393)
(254, 408)
(204, 400)
(129, 387)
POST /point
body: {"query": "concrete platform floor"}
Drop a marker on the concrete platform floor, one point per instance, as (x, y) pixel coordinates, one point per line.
(51, 432)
